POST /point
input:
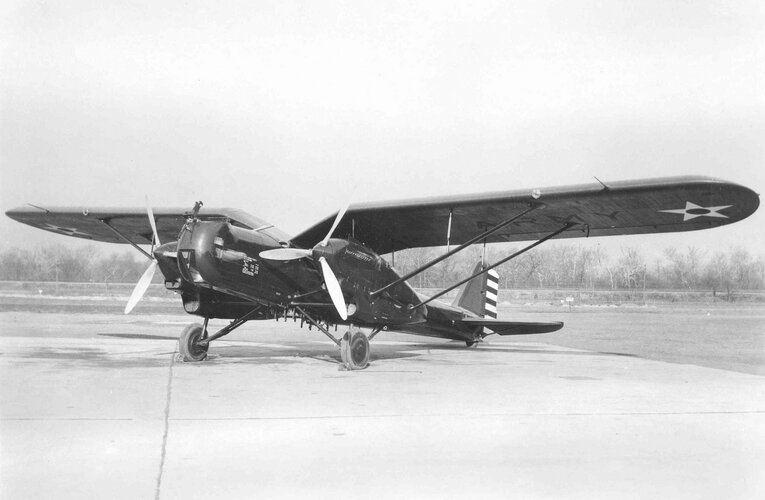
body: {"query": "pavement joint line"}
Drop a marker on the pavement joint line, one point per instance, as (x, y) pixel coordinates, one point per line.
(473, 415)
(67, 419)
(167, 426)
(326, 417)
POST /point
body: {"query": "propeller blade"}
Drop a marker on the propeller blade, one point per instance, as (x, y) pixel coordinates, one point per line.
(333, 287)
(338, 218)
(141, 287)
(285, 254)
(153, 223)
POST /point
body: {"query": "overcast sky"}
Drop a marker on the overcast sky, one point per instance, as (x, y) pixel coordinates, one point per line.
(279, 108)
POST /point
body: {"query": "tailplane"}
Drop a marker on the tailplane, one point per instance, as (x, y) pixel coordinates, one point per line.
(479, 296)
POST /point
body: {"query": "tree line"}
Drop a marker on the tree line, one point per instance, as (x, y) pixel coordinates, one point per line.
(60, 263)
(575, 266)
(559, 265)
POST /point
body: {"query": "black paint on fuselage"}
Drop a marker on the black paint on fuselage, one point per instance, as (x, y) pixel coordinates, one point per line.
(218, 257)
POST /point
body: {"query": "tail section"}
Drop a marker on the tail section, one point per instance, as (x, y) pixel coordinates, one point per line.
(473, 315)
(492, 291)
(479, 295)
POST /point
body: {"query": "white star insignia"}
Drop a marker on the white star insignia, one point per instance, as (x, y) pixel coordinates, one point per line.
(69, 231)
(691, 211)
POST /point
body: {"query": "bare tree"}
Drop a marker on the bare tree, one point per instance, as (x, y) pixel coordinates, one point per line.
(631, 268)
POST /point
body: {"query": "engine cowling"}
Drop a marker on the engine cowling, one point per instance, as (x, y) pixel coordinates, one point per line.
(361, 271)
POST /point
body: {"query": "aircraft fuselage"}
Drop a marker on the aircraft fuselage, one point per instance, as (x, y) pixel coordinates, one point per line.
(216, 259)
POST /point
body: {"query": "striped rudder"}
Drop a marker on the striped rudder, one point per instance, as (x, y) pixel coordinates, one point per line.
(492, 290)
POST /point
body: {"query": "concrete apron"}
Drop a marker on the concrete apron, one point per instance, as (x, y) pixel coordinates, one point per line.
(118, 417)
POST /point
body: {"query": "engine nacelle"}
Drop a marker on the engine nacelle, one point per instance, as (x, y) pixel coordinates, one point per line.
(360, 271)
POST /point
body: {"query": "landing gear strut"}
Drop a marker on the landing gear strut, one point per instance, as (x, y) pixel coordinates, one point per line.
(194, 341)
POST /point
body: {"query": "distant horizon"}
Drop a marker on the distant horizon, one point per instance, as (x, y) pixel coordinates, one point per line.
(557, 261)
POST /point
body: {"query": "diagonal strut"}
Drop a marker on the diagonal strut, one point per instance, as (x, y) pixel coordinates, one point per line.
(452, 252)
(568, 225)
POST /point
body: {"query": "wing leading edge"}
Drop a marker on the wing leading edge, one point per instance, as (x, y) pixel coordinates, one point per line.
(627, 207)
(133, 223)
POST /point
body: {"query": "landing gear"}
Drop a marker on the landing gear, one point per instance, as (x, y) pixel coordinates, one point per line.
(354, 346)
(189, 346)
(354, 350)
(194, 339)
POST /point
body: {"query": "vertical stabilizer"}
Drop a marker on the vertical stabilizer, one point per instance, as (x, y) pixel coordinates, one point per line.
(479, 295)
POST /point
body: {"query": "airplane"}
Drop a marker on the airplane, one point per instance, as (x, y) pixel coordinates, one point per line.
(227, 264)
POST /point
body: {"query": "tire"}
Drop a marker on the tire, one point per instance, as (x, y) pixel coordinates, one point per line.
(354, 350)
(187, 344)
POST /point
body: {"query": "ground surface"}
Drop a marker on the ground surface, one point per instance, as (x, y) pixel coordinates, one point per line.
(627, 403)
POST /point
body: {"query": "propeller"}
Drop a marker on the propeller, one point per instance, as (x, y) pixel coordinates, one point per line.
(285, 254)
(338, 218)
(330, 280)
(148, 275)
(333, 287)
(153, 223)
(141, 287)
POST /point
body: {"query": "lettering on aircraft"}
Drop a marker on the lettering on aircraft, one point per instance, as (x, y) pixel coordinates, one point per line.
(360, 256)
(250, 266)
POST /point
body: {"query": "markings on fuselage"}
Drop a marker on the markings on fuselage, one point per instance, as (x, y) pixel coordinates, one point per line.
(250, 266)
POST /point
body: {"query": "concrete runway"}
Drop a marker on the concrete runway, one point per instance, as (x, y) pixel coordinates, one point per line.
(96, 406)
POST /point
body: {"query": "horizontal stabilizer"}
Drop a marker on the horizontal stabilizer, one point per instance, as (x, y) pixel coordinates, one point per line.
(514, 327)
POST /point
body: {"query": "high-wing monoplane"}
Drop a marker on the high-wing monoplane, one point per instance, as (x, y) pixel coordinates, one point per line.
(228, 264)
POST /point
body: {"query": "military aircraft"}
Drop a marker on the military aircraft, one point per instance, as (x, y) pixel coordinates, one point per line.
(228, 264)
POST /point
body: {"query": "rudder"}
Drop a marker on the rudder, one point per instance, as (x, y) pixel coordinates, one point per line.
(492, 291)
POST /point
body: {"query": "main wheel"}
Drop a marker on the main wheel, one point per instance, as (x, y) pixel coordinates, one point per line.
(354, 350)
(188, 343)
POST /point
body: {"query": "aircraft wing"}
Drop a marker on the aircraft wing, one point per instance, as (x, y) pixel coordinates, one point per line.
(617, 208)
(133, 223)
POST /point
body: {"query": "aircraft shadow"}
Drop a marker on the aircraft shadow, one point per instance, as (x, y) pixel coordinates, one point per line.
(241, 352)
(272, 353)
(137, 336)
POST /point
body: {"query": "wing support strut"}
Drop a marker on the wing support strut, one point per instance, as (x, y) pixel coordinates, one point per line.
(435, 261)
(567, 226)
(317, 325)
(127, 240)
